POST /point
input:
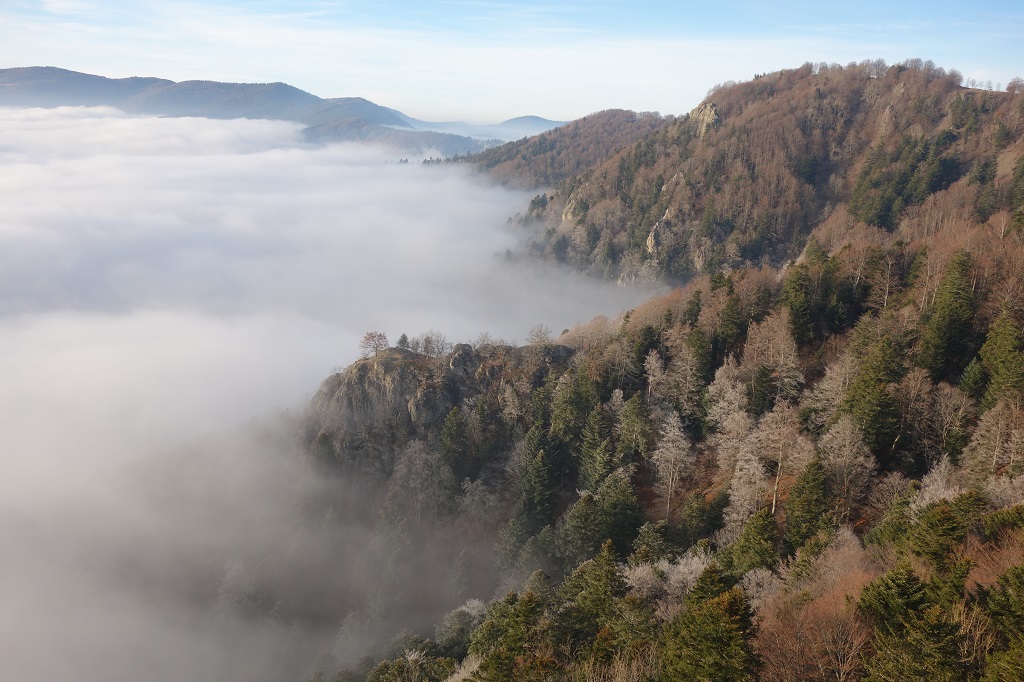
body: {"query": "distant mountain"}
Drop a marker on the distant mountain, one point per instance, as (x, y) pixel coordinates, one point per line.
(344, 118)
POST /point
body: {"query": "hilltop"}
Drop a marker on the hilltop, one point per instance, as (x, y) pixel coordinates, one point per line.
(751, 172)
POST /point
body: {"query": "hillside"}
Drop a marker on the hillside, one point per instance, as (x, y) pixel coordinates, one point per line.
(345, 118)
(745, 178)
(806, 472)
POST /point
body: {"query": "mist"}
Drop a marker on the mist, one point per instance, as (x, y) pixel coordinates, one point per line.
(172, 291)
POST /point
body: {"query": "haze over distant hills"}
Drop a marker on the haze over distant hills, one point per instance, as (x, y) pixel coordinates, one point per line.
(340, 118)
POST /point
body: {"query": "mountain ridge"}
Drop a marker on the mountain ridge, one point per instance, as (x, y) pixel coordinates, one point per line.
(339, 118)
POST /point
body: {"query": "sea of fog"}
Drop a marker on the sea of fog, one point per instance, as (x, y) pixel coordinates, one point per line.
(163, 280)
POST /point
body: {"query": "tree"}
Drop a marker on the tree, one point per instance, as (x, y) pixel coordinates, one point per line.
(456, 450)
(672, 459)
(946, 336)
(539, 334)
(373, 342)
(1003, 358)
(596, 458)
(869, 400)
(780, 443)
(847, 463)
(634, 430)
(807, 509)
(711, 641)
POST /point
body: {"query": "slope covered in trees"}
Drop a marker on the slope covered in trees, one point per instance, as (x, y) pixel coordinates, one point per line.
(803, 470)
(744, 178)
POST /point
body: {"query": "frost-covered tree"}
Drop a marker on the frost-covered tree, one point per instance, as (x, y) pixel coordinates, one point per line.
(998, 443)
(848, 464)
(782, 446)
(672, 459)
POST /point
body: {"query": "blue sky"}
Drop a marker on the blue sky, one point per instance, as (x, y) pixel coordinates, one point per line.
(487, 60)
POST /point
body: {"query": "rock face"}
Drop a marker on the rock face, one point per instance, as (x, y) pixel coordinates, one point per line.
(360, 417)
(706, 116)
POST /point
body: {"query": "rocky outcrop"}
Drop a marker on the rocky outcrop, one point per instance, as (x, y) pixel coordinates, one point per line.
(362, 415)
(705, 116)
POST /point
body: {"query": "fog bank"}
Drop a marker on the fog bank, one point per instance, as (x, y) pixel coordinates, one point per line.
(162, 281)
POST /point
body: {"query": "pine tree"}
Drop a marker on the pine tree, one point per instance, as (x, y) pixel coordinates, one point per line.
(755, 547)
(634, 431)
(711, 642)
(926, 650)
(535, 494)
(1003, 358)
(456, 450)
(890, 602)
(807, 509)
(596, 459)
(946, 336)
(796, 295)
(869, 400)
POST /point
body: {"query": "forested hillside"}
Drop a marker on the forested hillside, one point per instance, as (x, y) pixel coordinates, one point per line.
(744, 178)
(806, 469)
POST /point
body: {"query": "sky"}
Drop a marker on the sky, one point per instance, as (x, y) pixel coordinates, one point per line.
(484, 61)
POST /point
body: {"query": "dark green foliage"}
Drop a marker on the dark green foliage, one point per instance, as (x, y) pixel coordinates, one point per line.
(588, 598)
(456, 450)
(1006, 665)
(646, 341)
(635, 432)
(889, 183)
(942, 525)
(454, 631)
(535, 495)
(710, 642)
(870, 400)
(732, 326)
(946, 341)
(651, 544)
(1005, 604)
(796, 295)
(509, 638)
(1003, 358)
(754, 548)
(692, 311)
(416, 667)
(973, 381)
(926, 650)
(997, 522)
(573, 400)
(892, 601)
(612, 514)
(761, 392)
(698, 344)
(808, 508)
(596, 459)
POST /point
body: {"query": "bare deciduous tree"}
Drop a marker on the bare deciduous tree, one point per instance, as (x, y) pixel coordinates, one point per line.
(373, 343)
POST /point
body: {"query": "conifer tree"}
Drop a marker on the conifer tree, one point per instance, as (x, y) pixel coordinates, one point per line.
(596, 456)
(1003, 358)
(535, 494)
(869, 400)
(712, 641)
(946, 336)
(634, 430)
(807, 509)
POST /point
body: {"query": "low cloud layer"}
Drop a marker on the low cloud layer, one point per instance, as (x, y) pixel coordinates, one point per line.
(162, 279)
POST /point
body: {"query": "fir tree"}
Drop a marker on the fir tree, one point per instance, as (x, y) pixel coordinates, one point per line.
(946, 336)
(596, 459)
(711, 642)
(1003, 358)
(807, 509)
